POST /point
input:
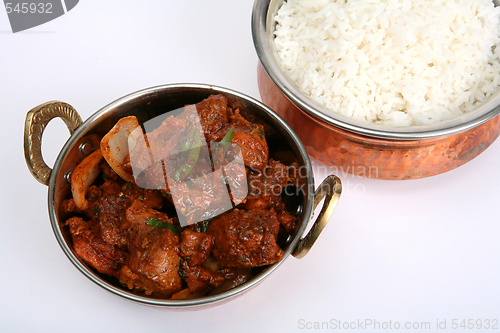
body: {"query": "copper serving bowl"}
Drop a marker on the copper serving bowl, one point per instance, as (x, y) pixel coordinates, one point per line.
(362, 149)
(147, 104)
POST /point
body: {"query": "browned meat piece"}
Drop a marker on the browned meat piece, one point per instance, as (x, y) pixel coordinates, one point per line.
(112, 205)
(90, 247)
(153, 177)
(165, 143)
(246, 238)
(195, 246)
(253, 149)
(296, 174)
(265, 192)
(68, 206)
(108, 172)
(229, 163)
(154, 259)
(249, 137)
(92, 196)
(138, 213)
(287, 221)
(112, 208)
(107, 205)
(152, 199)
(236, 275)
(264, 188)
(110, 187)
(192, 200)
(233, 277)
(161, 136)
(213, 113)
(199, 278)
(146, 157)
(251, 140)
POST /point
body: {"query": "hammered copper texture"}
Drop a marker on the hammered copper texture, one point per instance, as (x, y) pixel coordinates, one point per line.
(348, 152)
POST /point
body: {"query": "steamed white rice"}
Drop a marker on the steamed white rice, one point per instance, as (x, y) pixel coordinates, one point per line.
(395, 62)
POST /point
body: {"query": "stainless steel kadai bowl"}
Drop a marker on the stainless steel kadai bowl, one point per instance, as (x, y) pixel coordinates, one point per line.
(147, 104)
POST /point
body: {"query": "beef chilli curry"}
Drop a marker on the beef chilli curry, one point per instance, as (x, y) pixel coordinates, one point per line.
(190, 208)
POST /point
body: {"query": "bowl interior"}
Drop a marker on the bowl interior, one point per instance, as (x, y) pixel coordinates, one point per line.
(159, 102)
(263, 26)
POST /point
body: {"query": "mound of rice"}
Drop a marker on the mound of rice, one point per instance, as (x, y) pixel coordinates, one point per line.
(395, 62)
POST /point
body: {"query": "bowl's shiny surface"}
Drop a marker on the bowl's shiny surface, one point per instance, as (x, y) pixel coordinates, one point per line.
(146, 104)
(363, 149)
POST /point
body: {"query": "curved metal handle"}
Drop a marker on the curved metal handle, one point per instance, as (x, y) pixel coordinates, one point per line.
(330, 189)
(36, 121)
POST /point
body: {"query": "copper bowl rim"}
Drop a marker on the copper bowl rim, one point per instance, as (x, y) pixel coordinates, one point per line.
(263, 18)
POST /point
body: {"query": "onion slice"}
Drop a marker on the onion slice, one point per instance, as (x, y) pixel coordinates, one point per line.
(117, 144)
(83, 176)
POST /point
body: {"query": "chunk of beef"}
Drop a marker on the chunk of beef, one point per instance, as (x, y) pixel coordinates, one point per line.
(146, 158)
(199, 278)
(213, 113)
(265, 192)
(114, 201)
(264, 187)
(233, 277)
(154, 255)
(195, 246)
(249, 137)
(112, 208)
(90, 247)
(246, 238)
(287, 220)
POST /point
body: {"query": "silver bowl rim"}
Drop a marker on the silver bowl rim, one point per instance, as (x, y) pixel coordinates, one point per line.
(100, 115)
(262, 19)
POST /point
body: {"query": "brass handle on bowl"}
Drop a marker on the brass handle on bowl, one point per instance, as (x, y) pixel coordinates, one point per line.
(36, 121)
(330, 189)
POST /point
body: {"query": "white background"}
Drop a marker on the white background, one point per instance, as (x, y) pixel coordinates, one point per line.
(402, 251)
